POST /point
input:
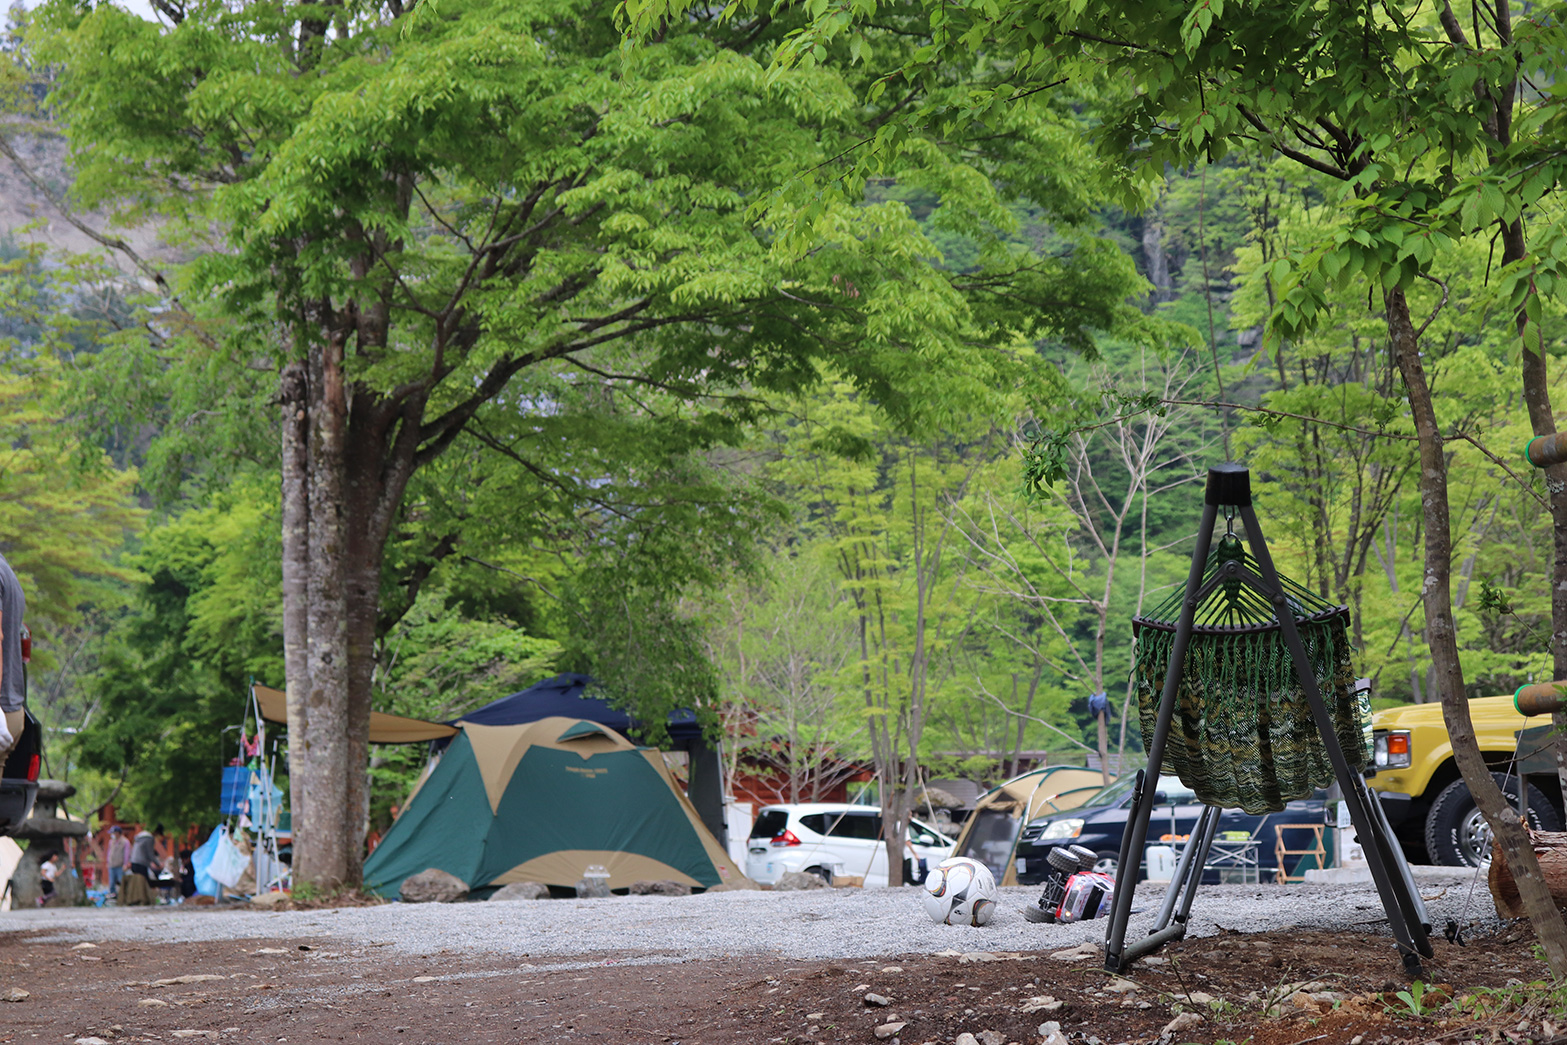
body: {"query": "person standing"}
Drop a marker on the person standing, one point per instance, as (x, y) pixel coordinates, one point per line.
(13, 683)
(118, 857)
(144, 853)
(187, 876)
(47, 871)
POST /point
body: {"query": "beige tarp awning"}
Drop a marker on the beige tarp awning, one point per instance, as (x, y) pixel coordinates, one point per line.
(384, 728)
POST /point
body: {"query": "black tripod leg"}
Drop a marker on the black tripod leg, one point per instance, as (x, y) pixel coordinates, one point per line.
(1396, 901)
(1195, 854)
(1136, 834)
(1395, 858)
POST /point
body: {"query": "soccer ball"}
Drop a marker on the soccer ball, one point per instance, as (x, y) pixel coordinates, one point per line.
(960, 891)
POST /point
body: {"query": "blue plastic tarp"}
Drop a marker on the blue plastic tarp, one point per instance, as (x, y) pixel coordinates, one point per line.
(201, 859)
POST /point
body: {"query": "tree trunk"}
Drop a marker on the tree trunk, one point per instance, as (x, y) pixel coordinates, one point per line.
(1506, 827)
(295, 396)
(320, 793)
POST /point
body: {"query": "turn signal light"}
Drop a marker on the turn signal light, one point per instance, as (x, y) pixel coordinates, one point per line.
(1390, 750)
(32, 769)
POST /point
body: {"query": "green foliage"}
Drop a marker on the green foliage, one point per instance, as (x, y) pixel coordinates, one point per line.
(1414, 1002)
(173, 675)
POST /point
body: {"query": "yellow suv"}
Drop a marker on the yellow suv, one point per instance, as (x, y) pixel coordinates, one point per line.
(1426, 800)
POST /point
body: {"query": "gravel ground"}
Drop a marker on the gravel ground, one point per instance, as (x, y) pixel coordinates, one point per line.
(813, 925)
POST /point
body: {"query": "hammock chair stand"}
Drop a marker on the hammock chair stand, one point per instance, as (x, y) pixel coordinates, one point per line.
(1229, 487)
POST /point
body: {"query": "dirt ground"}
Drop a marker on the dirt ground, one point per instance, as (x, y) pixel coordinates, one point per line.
(1267, 989)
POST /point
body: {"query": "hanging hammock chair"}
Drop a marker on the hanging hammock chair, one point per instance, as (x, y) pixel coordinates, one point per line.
(1242, 733)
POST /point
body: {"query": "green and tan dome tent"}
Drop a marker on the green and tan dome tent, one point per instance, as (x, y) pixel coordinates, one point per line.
(541, 802)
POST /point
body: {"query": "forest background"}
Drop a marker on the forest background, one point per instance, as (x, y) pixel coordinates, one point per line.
(835, 567)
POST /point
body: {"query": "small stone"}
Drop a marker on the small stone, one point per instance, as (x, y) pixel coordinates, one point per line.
(1042, 1003)
(878, 1000)
(90, 1041)
(1358, 1039)
(1081, 952)
(425, 979)
(887, 1030)
(1201, 998)
(660, 887)
(196, 977)
(991, 1037)
(889, 970)
(85, 947)
(1120, 986)
(793, 881)
(272, 950)
(16, 994)
(514, 891)
(814, 1016)
(1050, 1033)
(195, 1034)
(433, 885)
(1182, 1023)
(966, 1039)
(1156, 961)
(152, 1003)
(271, 899)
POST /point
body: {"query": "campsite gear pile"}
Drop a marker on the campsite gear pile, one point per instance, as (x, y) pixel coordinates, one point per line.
(1256, 705)
(547, 801)
(1074, 891)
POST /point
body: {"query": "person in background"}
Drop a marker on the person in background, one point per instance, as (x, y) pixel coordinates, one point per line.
(47, 871)
(187, 876)
(13, 684)
(118, 857)
(144, 854)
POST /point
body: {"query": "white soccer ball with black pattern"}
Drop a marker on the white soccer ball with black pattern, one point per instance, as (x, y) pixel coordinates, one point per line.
(960, 891)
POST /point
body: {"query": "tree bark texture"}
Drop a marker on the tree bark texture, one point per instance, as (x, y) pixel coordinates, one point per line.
(1441, 635)
(320, 794)
(295, 428)
(347, 457)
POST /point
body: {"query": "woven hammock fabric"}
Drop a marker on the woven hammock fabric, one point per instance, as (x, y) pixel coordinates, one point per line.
(1242, 734)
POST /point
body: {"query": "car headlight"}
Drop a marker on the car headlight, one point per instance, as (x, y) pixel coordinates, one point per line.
(1390, 749)
(1069, 828)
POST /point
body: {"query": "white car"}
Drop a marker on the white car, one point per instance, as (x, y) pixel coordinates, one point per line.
(832, 839)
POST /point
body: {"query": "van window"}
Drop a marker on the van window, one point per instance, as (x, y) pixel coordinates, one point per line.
(920, 835)
(815, 822)
(770, 824)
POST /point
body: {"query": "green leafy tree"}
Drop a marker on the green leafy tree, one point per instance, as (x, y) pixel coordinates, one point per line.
(420, 217)
(1428, 129)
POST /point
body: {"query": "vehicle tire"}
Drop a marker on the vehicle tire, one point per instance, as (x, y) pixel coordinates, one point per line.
(1458, 836)
(1086, 857)
(825, 874)
(1063, 860)
(1108, 863)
